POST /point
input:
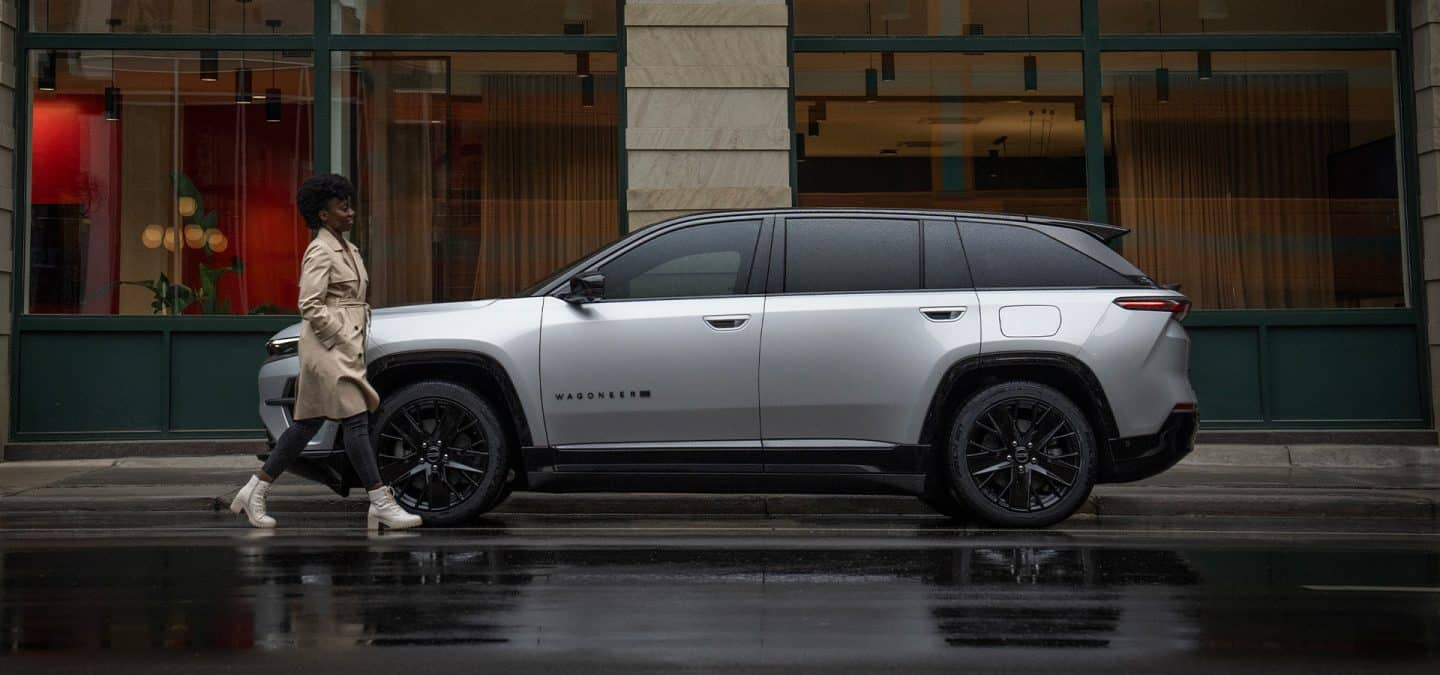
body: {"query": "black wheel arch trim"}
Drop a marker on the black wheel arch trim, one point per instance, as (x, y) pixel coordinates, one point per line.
(378, 369)
(933, 426)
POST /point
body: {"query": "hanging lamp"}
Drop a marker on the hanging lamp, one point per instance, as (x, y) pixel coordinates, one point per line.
(1162, 74)
(112, 92)
(1032, 65)
(272, 94)
(244, 87)
(209, 58)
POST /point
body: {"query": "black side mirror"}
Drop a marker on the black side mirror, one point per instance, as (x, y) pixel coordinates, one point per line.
(587, 287)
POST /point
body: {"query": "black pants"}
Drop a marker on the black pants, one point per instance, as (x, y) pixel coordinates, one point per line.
(357, 445)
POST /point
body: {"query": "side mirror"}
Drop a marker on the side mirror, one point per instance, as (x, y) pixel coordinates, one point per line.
(587, 287)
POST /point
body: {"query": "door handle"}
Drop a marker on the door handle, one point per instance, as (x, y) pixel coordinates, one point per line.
(728, 322)
(943, 314)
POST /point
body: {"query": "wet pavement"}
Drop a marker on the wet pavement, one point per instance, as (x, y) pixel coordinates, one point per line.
(177, 591)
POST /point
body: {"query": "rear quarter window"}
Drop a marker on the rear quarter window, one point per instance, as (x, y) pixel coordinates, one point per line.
(1015, 256)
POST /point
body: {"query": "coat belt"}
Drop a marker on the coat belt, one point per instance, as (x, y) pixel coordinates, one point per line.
(347, 303)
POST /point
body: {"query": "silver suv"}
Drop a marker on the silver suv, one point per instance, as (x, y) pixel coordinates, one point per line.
(997, 367)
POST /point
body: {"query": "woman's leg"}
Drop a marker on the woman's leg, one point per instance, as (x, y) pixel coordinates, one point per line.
(357, 446)
(288, 447)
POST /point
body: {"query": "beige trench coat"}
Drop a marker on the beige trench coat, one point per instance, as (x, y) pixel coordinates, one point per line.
(333, 287)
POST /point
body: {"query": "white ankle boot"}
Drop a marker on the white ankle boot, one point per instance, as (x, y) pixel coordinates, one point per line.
(251, 500)
(385, 513)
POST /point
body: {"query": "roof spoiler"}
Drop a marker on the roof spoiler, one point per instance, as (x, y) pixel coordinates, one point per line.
(1105, 233)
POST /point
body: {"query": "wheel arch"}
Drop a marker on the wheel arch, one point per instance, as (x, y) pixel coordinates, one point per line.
(479, 373)
(1063, 372)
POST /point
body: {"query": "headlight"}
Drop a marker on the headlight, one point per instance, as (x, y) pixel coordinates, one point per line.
(283, 346)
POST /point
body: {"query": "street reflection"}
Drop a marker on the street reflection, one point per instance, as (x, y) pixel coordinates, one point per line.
(784, 597)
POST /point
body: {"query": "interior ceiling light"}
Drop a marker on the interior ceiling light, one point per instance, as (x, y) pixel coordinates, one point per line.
(1162, 74)
(112, 92)
(1032, 67)
(582, 64)
(872, 85)
(887, 66)
(587, 92)
(272, 94)
(209, 58)
(244, 89)
(1203, 67)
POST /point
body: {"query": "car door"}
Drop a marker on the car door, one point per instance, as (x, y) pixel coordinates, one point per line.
(660, 374)
(866, 314)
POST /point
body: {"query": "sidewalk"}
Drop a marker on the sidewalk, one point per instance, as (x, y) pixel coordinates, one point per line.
(1217, 481)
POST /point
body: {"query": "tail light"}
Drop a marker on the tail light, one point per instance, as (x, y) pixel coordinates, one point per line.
(1179, 308)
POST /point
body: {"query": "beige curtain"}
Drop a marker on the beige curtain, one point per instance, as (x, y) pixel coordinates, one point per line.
(397, 174)
(1225, 187)
(550, 177)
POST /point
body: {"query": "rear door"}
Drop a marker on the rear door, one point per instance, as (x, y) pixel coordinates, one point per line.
(864, 314)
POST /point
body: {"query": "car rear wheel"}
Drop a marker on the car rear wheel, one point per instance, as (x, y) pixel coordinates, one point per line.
(441, 449)
(1022, 454)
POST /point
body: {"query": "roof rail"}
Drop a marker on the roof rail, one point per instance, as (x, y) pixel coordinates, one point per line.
(1101, 231)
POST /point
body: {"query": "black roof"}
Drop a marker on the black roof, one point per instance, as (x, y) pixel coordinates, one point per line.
(1101, 231)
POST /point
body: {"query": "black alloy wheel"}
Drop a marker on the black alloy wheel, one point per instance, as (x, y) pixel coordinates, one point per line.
(1022, 455)
(442, 451)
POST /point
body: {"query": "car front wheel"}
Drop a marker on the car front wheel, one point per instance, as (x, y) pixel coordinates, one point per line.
(1022, 454)
(441, 449)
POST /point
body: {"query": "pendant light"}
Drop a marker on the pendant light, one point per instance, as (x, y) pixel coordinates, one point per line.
(1032, 65)
(1162, 74)
(112, 92)
(272, 94)
(582, 64)
(872, 76)
(1203, 69)
(799, 147)
(209, 58)
(45, 67)
(887, 66)
(587, 92)
(244, 89)
(813, 124)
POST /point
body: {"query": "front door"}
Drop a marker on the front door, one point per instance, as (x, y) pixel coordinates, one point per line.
(662, 373)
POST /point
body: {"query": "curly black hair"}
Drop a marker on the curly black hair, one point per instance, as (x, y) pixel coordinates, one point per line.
(317, 191)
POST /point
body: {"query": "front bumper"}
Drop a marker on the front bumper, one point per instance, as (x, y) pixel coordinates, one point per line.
(1140, 457)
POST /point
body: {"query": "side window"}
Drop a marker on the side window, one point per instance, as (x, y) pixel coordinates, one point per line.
(1015, 256)
(945, 266)
(851, 254)
(704, 260)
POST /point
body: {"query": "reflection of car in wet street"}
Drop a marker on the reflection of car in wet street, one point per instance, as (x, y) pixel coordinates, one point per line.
(997, 366)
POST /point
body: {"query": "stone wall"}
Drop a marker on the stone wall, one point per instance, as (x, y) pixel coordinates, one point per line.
(707, 87)
(1425, 17)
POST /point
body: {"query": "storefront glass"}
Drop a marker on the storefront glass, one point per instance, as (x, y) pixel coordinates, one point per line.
(927, 17)
(171, 16)
(481, 17)
(1229, 16)
(163, 182)
(479, 173)
(1258, 180)
(982, 132)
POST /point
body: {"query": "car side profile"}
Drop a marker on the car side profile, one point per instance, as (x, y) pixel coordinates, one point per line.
(997, 367)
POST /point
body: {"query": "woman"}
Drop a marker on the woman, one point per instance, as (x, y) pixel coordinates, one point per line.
(332, 384)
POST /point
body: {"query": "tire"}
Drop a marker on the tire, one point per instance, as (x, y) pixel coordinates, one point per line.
(448, 482)
(1000, 434)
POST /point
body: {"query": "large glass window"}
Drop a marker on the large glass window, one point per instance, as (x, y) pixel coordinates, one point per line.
(928, 17)
(1230, 16)
(494, 17)
(164, 182)
(1258, 180)
(983, 132)
(172, 16)
(478, 173)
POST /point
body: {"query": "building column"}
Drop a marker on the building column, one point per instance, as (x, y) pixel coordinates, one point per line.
(1425, 18)
(707, 123)
(8, 54)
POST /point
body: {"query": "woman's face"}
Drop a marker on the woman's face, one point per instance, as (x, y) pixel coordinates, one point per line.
(338, 216)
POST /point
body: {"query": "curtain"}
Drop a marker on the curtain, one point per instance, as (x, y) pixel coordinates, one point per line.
(549, 176)
(1225, 187)
(396, 171)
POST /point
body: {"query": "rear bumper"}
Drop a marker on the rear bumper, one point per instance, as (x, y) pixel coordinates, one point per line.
(1140, 457)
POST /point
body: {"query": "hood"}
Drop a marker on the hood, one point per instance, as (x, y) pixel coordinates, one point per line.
(389, 314)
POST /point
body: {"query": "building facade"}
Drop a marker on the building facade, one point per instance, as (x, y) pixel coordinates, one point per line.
(1280, 160)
